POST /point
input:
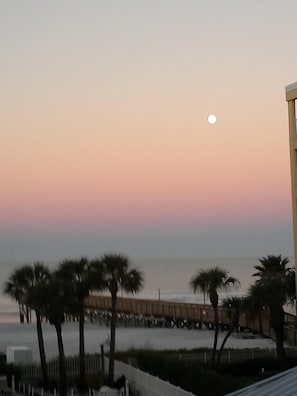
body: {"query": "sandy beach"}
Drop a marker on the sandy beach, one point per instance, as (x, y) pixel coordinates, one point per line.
(126, 338)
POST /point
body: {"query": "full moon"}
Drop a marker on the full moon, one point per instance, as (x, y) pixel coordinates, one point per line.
(212, 119)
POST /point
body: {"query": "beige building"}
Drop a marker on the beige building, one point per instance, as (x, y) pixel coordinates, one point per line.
(291, 97)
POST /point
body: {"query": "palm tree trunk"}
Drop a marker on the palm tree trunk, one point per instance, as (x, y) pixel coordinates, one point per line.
(21, 314)
(28, 319)
(230, 331)
(82, 366)
(280, 350)
(215, 340)
(41, 350)
(62, 363)
(112, 340)
(260, 323)
(277, 315)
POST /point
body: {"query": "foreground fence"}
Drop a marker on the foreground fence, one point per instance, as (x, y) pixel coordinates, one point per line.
(228, 356)
(33, 370)
(143, 383)
(94, 362)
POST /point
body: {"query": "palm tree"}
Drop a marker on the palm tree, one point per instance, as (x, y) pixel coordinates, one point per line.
(210, 282)
(275, 286)
(253, 305)
(22, 285)
(117, 274)
(16, 287)
(56, 300)
(77, 274)
(233, 306)
(271, 265)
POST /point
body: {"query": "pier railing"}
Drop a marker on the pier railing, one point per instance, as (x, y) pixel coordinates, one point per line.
(181, 314)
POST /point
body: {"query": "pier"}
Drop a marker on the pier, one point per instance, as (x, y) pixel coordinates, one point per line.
(159, 313)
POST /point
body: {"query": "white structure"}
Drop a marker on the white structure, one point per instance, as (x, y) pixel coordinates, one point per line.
(291, 97)
(19, 354)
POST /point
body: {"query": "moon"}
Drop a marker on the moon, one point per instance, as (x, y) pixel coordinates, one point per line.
(212, 119)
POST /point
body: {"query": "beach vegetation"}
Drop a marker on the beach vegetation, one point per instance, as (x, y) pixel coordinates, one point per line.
(210, 282)
(77, 275)
(194, 375)
(233, 308)
(253, 305)
(56, 300)
(17, 288)
(273, 288)
(10, 370)
(23, 285)
(117, 275)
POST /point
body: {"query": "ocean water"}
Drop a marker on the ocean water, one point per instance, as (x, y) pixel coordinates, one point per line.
(170, 278)
(165, 279)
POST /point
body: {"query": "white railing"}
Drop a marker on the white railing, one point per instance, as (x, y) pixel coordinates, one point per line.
(33, 370)
(93, 362)
(143, 383)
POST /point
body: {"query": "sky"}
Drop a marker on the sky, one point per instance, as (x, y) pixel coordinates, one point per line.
(104, 139)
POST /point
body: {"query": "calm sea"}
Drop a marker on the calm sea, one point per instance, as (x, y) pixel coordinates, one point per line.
(164, 279)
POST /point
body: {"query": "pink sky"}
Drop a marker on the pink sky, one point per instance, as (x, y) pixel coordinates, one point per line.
(104, 119)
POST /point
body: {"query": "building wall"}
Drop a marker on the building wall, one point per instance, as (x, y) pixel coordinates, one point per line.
(291, 96)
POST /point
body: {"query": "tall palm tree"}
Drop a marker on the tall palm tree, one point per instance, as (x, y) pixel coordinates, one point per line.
(56, 300)
(117, 274)
(233, 307)
(22, 285)
(275, 285)
(77, 274)
(210, 282)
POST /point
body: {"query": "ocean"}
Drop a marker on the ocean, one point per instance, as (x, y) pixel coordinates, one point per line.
(165, 279)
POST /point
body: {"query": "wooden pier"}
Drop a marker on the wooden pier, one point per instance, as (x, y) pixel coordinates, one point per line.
(184, 315)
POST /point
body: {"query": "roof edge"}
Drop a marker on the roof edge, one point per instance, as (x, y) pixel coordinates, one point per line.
(292, 86)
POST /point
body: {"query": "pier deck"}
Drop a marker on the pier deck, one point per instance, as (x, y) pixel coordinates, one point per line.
(187, 315)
